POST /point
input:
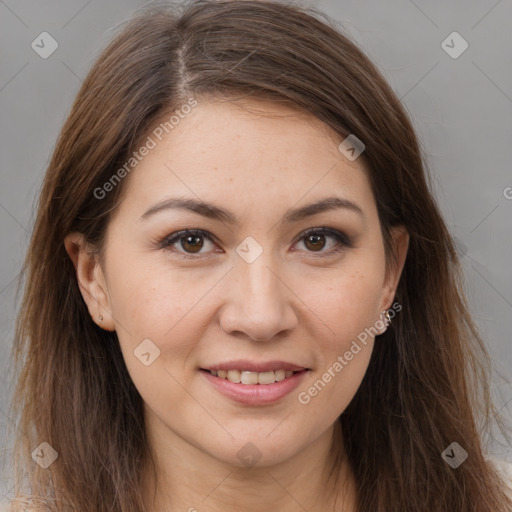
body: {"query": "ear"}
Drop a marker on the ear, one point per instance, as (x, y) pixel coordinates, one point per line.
(91, 279)
(400, 245)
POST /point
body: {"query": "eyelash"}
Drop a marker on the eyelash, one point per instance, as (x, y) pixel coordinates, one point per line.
(343, 240)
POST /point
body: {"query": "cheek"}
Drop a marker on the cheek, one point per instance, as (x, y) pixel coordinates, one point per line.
(156, 330)
(350, 303)
(151, 299)
(171, 308)
(330, 390)
(343, 354)
(349, 308)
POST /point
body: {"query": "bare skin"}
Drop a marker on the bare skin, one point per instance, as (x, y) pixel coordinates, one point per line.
(299, 301)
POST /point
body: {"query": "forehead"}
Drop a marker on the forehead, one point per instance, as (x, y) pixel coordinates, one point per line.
(256, 153)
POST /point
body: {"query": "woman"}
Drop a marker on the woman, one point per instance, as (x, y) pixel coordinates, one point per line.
(181, 345)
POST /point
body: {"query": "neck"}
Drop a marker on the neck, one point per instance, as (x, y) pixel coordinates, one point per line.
(187, 479)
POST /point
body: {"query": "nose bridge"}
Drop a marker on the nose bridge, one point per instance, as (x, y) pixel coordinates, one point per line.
(258, 272)
(259, 278)
(258, 301)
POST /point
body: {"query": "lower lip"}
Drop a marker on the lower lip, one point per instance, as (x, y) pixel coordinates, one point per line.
(255, 394)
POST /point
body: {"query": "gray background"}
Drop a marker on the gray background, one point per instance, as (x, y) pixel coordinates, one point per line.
(461, 108)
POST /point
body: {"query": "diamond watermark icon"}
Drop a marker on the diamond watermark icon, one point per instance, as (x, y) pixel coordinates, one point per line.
(249, 250)
(147, 352)
(460, 247)
(249, 455)
(351, 147)
(454, 45)
(45, 455)
(454, 455)
(44, 45)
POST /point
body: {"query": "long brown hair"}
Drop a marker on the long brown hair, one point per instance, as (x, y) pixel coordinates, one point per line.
(427, 384)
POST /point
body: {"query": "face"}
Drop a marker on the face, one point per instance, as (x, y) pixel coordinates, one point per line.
(264, 284)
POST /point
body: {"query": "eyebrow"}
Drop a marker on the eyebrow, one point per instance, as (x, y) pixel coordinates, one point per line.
(214, 212)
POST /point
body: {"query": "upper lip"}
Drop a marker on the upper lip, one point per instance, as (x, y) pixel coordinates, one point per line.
(252, 366)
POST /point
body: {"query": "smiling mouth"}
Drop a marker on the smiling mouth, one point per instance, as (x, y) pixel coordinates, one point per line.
(251, 378)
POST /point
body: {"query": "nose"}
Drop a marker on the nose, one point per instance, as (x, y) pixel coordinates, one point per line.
(259, 302)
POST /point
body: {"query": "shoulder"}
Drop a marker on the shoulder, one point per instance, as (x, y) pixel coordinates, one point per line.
(505, 470)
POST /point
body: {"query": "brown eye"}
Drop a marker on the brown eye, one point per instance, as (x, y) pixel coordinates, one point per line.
(191, 241)
(315, 242)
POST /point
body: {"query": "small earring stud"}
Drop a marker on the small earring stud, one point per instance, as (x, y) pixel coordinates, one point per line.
(386, 317)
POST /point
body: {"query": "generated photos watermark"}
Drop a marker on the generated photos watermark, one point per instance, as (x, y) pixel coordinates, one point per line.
(305, 397)
(151, 142)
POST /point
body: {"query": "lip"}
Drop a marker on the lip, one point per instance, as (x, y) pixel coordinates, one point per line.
(255, 394)
(252, 366)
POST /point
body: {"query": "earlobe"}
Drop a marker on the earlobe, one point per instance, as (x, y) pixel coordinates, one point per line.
(90, 278)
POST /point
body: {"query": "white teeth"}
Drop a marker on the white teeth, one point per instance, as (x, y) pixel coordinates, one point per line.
(246, 377)
(266, 378)
(280, 375)
(249, 377)
(234, 376)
